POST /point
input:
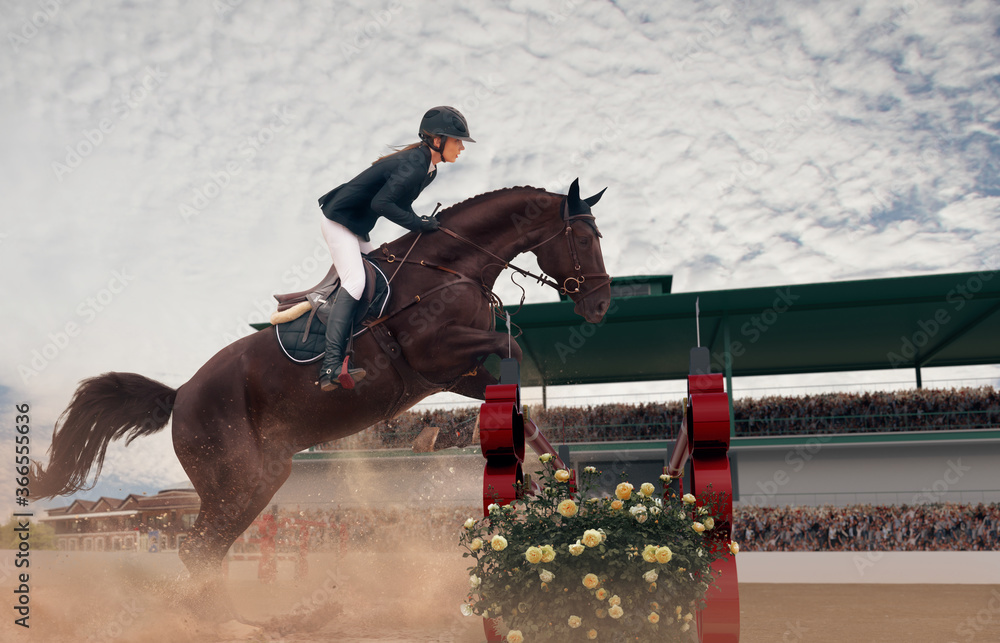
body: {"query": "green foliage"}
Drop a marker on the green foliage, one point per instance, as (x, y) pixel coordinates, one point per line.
(41, 536)
(614, 539)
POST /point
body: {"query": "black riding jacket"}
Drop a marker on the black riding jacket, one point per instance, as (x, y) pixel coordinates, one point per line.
(386, 189)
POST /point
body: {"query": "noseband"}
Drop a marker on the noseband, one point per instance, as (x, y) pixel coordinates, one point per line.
(570, 285)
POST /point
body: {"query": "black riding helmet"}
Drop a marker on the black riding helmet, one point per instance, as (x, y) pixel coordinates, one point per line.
(446, 122)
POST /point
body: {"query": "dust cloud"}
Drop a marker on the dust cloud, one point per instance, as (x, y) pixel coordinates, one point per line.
(395, 573)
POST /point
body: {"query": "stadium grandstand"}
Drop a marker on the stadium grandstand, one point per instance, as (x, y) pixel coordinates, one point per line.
(848, 469)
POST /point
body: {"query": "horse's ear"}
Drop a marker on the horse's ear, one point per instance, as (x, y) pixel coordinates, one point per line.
(592, 200)
(574, 192)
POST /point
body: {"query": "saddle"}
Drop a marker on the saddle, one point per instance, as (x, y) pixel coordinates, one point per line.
(302, 336)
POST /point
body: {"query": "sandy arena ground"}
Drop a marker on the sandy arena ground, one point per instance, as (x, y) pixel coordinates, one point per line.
(414, 595)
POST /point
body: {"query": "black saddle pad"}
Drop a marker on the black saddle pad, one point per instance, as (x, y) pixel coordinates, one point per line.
(303, 340)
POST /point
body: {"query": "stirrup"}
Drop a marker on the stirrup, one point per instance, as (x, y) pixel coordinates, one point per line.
(350, 376)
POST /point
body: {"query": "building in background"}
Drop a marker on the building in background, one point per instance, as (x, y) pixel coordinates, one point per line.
(135, 523)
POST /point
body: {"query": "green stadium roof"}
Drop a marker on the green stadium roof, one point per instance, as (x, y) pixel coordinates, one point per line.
(903, 322)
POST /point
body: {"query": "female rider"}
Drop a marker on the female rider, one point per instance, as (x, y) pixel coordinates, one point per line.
(386, 189)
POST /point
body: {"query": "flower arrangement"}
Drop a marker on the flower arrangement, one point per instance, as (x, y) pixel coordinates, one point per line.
(565, 566)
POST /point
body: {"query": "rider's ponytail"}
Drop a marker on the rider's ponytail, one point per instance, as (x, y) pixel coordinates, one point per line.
(397, 149)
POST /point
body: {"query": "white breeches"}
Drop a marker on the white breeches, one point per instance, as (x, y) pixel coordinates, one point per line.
(346, 249)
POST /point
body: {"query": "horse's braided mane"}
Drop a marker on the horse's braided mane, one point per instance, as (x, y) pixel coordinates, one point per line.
(471, 201)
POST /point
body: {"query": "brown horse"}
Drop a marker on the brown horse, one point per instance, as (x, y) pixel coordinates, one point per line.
(246, 412)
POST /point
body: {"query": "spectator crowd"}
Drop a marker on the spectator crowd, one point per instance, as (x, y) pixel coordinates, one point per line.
(868, 528)
(909, 410)
(930, 527)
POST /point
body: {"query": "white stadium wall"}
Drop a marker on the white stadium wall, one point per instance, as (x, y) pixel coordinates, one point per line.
(813, 471)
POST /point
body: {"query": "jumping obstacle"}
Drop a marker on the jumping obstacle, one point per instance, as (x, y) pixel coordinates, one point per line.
(267, 526)
(702, 447)
(703, 444)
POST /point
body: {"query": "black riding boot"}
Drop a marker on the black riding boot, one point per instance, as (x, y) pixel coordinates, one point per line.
(338, 332)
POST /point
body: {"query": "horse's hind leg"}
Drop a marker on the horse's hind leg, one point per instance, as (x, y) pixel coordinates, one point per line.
(235, 479)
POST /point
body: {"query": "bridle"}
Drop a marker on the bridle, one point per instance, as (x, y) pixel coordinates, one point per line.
(570, 285)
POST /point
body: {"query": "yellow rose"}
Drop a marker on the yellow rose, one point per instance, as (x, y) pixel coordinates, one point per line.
(590, 469)
(470, 523)
(533, 555)
(685, 627)
(576, 549)
(649, 554)
(734, 547)
(546, 576)
(592, 634)
(590, 581)
(688, 617)
(617, 505)
(650, 576)
(709, 523)
(568, 508)
(679, 610)
(653, 617)
(688, 499)
(697, 526)
(545, 457)
(575, 621)
(616, 611)
(647, 489)
(548, 553)
(592, 538)
(562, 475)
(663, 555)
(666, 478)
(614, 600)
(515, 636)
(624, 491)
(602, 594)
(498, 543)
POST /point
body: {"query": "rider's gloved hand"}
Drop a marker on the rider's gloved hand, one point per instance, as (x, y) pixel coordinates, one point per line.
(428, 224)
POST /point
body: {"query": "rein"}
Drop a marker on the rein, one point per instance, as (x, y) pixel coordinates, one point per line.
(567, 231)
(566, 289)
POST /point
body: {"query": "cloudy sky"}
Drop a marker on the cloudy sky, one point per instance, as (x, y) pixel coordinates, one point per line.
(162, 160)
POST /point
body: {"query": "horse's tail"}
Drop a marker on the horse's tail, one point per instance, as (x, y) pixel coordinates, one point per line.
(104, 408)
